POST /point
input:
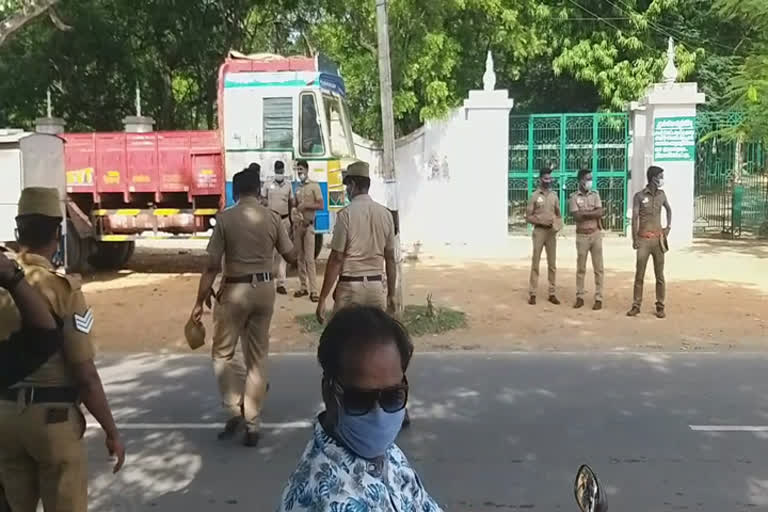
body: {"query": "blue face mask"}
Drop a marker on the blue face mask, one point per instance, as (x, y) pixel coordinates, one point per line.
(371, 434)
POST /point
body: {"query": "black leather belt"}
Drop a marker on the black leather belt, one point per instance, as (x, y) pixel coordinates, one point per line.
(261, 277)
(41, 395)
(359, 279)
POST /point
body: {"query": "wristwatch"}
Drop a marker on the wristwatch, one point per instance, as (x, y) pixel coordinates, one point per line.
(16, 278)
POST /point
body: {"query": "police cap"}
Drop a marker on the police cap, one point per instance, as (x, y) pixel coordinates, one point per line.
(40, 201)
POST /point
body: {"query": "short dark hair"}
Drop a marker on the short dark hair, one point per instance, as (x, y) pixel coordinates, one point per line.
(356, 327)
(362, 182)
(583, 172)
(303, 164)
(36, 231)
(250, 183)
(279, 165)
(254, 167)
(544, 171)
(653, 171)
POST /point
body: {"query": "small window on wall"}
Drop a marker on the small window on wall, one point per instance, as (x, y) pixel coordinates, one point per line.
(311, 134)
(278, 123)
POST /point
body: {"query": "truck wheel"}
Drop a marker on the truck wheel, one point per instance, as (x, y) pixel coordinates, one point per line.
(318, 244)
(77, 250)
(111, 255)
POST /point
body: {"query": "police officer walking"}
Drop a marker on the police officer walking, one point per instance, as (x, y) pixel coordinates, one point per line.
(587, 210)
(544, 213)
(363, 245)
(649, 239)
(309, 199)
(245, 237)
(279, 196)
(42, 454)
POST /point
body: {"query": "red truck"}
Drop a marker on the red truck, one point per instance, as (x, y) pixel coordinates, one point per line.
(126, 186)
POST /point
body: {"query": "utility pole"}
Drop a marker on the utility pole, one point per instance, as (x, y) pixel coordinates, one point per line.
(388, 133)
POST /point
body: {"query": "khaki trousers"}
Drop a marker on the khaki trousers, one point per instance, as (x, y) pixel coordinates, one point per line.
(649, 247)
(543, 238)
(359, 293)
(243, 312)
(42, 456)
(280, 265)
(304, 240)
(589, 244)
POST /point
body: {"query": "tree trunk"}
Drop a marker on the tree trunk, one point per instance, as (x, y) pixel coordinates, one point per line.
(28, 10)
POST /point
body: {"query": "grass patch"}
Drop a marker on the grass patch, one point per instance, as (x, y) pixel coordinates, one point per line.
(419, 320)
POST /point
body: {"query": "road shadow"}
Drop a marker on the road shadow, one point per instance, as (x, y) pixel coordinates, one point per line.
(755, 248)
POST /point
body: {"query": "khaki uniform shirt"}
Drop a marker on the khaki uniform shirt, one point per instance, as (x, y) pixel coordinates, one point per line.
(363, 231)
(542, 207)
(649, 207)
(68, 304)
(246, 236)
(279, 196)
(585, 202)
(308, 193)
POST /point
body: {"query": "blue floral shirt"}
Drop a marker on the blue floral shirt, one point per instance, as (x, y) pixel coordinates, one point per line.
(330, 478)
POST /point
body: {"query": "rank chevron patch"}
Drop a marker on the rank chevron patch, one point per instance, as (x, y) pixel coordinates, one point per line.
(84, 323)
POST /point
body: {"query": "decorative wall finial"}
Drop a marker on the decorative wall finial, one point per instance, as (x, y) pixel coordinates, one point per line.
(489, 77)
(49, 103)
(670, 70)
(138, 100)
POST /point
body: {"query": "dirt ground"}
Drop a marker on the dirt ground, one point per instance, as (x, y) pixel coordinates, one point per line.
(717, 299)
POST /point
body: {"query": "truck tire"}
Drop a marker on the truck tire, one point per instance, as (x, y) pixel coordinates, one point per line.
(77, 250)
(318, 244)
(111, 255)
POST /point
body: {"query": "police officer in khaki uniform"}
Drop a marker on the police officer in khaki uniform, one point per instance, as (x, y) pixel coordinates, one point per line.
(279, 196)
(309, 199)
(245, 237)
(363, 245)
(649, 238)
(587, 210)
(544, 213)
(42, 455)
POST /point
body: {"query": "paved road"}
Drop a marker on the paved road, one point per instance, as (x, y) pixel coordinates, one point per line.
(491, 432)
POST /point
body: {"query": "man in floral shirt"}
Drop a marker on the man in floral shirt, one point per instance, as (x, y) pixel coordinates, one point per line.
(351, 464)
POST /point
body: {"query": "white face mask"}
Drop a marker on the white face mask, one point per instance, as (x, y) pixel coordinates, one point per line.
(588, 185)
(660, 184)
(279, 178)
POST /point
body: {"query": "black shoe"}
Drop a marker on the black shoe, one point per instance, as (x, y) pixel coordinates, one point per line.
(314, 298)
(406, 420)
(579, 303)
(660, 312)
(251, 439)
(301, 293)
(598, 305)
(532, 300)
(281, 290)
(554, 300)
(230, 428)
(634, 311)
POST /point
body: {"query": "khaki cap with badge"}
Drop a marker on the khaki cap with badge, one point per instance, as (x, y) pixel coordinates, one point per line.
(40, 201)
(195, 334)
(358, 168)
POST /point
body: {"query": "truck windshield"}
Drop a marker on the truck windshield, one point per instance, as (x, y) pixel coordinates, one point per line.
(311, 134)
(338, 127)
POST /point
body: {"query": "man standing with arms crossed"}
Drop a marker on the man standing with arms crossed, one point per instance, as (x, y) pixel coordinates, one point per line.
(245, 236)
(544, 213)
(280, 200)
(649, 239)
(42, 453)
(587, 210)
(309, 199)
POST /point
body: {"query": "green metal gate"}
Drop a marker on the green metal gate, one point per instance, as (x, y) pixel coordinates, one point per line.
(726, 202)
(567, 143)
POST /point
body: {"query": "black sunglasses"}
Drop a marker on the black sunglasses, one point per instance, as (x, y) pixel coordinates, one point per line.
(357, 402)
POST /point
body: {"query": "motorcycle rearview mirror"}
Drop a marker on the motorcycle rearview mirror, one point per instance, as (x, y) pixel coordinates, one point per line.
(589, 495)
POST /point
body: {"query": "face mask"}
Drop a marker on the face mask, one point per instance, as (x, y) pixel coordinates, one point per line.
(588, 185)
(303, 177)
(279, 178)
(371, 434)
(659, 183)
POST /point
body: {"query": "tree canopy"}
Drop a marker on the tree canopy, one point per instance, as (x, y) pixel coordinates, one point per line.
(553, 55)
